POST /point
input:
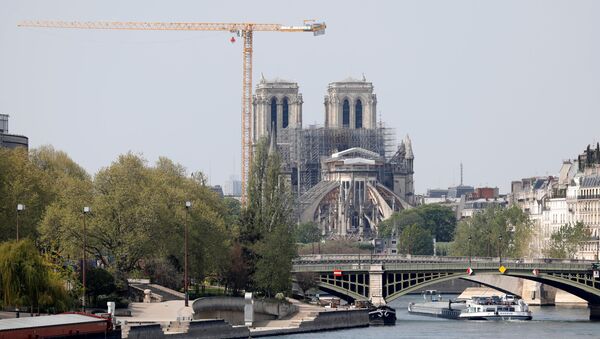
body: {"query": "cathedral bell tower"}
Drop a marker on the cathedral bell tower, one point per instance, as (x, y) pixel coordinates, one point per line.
(277, 104)
(352, 104)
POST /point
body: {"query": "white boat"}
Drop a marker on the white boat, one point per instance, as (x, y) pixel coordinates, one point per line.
(496, 308)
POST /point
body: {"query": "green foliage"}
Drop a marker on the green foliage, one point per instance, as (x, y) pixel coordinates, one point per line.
(27, 280)
(416, 240)
(308, 232)
(164, 271)
(266, 231)
(138, 213)
(136, 224)
(236, 276)
(306, 281)
(443, 248)
(565, 242)
(99, 282)
(485, 229)
(21, 182)
(437, 219)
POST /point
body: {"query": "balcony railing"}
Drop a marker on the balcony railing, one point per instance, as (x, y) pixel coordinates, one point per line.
(588, 196)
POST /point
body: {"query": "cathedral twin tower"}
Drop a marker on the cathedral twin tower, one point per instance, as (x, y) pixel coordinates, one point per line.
(347, 175)
(278, 104)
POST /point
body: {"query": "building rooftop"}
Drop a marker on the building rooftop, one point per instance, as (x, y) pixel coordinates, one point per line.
(49, 320)
(590, 181)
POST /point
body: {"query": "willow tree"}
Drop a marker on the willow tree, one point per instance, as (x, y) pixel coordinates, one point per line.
(266, 227)
(27, 280)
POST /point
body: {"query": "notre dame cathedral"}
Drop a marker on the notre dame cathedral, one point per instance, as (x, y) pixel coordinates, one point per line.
(348, 175)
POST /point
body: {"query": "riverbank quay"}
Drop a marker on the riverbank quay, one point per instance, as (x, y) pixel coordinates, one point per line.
(173, 320)
(335, 319)
(218, 328)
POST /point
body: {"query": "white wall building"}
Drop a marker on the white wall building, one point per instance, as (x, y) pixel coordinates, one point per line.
(574, 196)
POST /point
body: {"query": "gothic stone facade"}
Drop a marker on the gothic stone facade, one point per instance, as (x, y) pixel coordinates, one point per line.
(346, 175)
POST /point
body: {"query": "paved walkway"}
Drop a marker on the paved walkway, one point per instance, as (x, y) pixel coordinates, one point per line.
(158, 312)
(306, 312)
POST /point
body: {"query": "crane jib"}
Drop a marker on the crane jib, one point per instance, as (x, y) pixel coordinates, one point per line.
(246, 28)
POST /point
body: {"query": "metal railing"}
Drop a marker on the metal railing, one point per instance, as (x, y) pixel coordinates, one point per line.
(355, 262)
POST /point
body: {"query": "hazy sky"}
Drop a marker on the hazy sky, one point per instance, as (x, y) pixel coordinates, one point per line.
(510, 88)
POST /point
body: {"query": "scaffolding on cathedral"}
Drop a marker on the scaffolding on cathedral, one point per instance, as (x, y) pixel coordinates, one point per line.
(303, 150)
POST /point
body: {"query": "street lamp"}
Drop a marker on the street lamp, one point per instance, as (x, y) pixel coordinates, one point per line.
(86, 210)
(469, 243)
(499, 248)
(188, 205)
(598, 248)
(20, 207)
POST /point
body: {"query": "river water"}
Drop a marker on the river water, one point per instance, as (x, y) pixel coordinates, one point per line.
(549, 322)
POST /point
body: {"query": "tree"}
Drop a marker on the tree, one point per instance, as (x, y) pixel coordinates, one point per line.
(273, 268)
(308, 232)
(266, 232)
(496, 229)
(99, 282)
(565, 242)
(306, 281)
(27, 280)
(437, 219)
(236, 276)
(22, 182)
(137, 217)
(416, 240)
(398, 221)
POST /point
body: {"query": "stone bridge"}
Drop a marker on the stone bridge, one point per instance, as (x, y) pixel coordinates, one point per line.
(383, 278)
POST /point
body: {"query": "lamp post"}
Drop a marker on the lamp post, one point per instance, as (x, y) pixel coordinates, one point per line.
(188, 205)
(20, 207)
(469, 243)
(86, 210)
(598, 248)
(500, 248)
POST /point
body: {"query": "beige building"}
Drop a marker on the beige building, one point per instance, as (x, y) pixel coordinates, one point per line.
(573, 196)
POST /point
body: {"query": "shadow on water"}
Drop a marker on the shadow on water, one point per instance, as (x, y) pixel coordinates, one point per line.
(552, 321)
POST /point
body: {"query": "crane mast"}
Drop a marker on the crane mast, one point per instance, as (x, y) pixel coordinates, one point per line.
(246, 30)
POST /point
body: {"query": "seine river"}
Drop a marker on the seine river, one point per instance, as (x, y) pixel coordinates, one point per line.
(548, 322)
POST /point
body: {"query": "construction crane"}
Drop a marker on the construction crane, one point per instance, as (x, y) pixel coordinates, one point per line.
(246, 30)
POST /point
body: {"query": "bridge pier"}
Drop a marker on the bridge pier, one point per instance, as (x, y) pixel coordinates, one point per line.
(538, 294)
(594, 312)
(376, 284)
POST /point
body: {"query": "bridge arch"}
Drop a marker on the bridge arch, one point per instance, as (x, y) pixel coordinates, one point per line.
(581, 285)
(394, 276)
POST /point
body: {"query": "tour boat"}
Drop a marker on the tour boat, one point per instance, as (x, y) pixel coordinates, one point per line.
(496, 308)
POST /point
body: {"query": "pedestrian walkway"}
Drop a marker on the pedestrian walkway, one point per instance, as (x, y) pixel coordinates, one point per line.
(159, 312)
(165, 293)
(306, 312)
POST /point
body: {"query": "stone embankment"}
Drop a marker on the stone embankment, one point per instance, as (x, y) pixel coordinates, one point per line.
(295, 317)
(219, 328)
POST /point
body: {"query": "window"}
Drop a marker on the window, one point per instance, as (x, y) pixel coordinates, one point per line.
(285, 117)
(346, 114)
(359, 119)
(273, 113)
